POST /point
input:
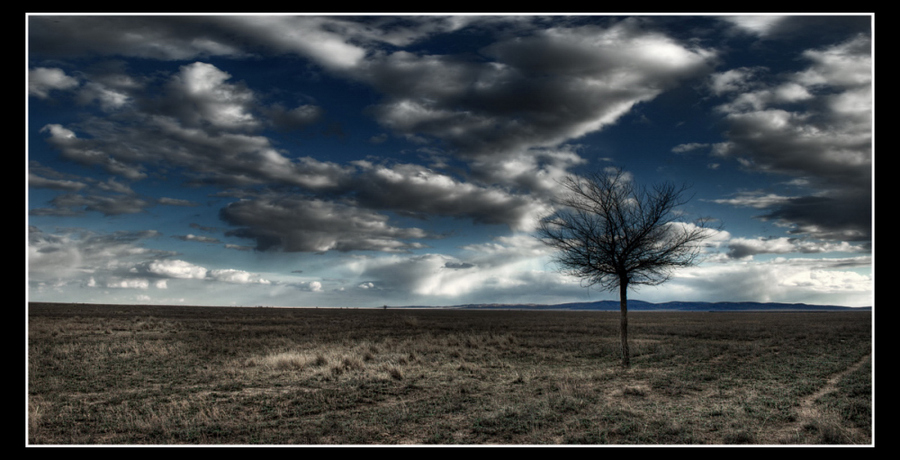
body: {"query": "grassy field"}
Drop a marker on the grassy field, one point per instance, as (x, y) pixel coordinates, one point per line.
(117, 374)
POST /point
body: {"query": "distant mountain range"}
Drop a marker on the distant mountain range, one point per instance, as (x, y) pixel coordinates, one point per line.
(638, 305)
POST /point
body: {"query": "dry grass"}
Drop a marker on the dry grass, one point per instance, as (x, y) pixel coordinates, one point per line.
(167, 375)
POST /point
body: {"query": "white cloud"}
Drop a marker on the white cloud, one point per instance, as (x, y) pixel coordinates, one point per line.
(308, 36)
(133, 283)
(507, 267)
(210, 99)
(237, 276)
(816, 281)
(173, 268)
(760, 25)
(755, 199)
(43, 80)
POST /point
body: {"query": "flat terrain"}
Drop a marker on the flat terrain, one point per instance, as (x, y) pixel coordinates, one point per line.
(118, 374)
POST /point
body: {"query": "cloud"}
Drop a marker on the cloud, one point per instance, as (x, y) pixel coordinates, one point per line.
(684, 148)
(418, 191)
(86, 152)
(205, 99)
(828, 281)
(771, 28)
(151, 37)
(319, 38)
(756, 199)
(237, 276)
(92, 261)
(173, 268)
(828, 137)
(133, 283)
(205, 123)
(72, 255)
(577, 81)
(761, 25)
(224, 158)
(300, 224)
(72, 205)
(43, 80)
(508, 267)
(844, 216)
(815, 125)
(198, 238)
(745, 247)
(176, 202)
(110, 198)
(37, 181)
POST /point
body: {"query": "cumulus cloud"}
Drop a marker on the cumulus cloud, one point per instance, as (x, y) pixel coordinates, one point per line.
(173, 268)
(234, 276)
(828, 137)
(418, 191)
(577, 80)
(207, 99)
(815, 125)
(499, 124)
(43, 80)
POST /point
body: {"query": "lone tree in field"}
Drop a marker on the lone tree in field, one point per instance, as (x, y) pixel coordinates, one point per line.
(613, 234)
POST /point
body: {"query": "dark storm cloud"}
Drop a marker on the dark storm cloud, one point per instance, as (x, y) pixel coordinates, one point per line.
(418, 191)
(508, 110)
(815, 125)
(299, 224)
(839, 218)
(152, 37)
(537, 91)
(201, 122)
(739, 248)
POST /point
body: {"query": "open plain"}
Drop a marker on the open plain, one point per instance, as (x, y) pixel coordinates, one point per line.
(164, 375)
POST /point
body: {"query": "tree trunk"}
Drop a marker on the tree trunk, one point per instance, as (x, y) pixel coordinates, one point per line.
(623, 324)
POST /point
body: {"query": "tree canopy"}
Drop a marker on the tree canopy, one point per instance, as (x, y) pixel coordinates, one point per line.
(612, 233)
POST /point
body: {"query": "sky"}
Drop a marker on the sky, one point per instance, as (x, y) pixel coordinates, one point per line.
(361, 161)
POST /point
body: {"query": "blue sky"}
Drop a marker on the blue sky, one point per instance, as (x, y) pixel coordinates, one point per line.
(339, 160)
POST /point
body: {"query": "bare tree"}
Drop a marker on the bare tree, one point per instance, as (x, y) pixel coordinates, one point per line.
(613, 234)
